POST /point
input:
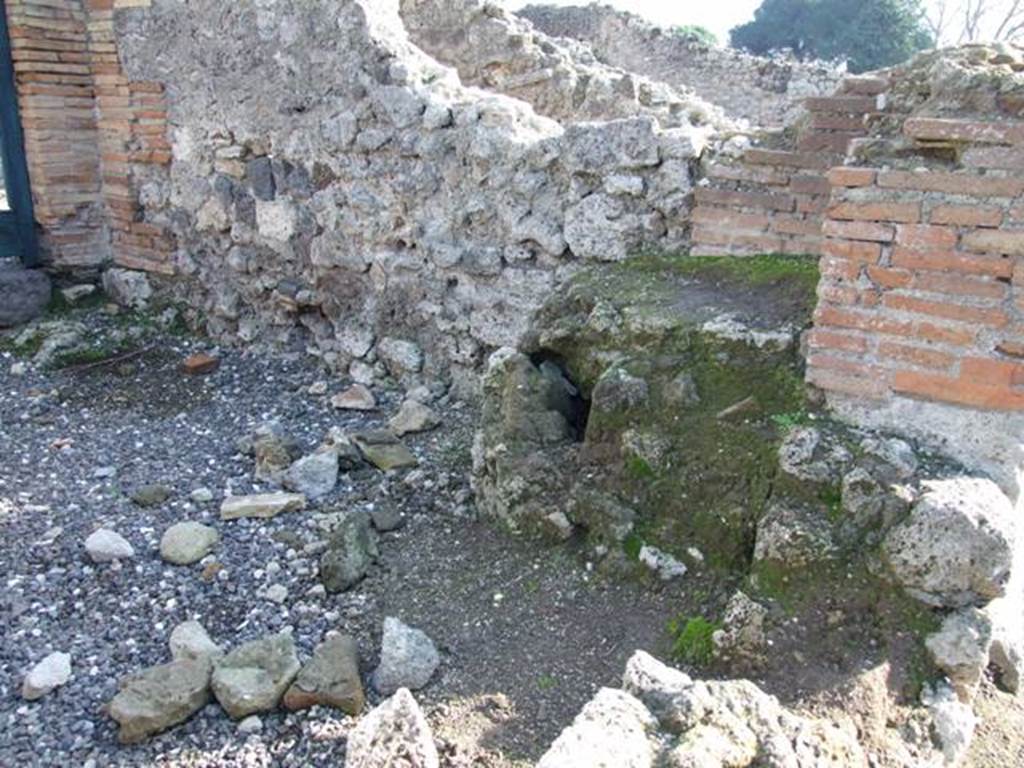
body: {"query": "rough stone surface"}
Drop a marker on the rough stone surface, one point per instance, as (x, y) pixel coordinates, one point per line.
(408, 658)
(24, 294)
(765, 91)
(253, 677)
(127, 287)
(956, 546)
(351, 550)
(159, 698)
(105, 545)
(952, 719)
(662, 717)
(392, 734)
(315, 475)
(961, 649)
(46, 676)
(188, 542)
(743, 634)
(330, 678)
(385, 451)
(190, 640)
(413, 417)
(261, 505)
(355, 398)
(614, 728)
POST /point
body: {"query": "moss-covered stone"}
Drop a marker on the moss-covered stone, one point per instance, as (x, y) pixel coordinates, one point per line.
(685, 363)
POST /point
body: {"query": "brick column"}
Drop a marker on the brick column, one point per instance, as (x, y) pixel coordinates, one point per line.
(49, 45)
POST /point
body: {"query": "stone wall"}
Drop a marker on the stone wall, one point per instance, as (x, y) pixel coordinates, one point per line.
(764, 91)
(561, 78)
(333, 186)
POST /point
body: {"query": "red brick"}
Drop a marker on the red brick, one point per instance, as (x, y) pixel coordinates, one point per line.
(862, 321)
(821, 141)
(947, 389)
(922, 236)
(869, 385)
(907, 213)
(859, 230)
(843, 176)
(838, 122)
(970, 132)
(756, 174)
(1004, 241)
(952, 261)
(967, 215)
(951, 183)
(200, 363)
(748, 222)
(957, 337)
(854, 250)
(795, 225)
(762, 200)
(847, 342)
(790, 159)
(960, 285)
(1003, 373)
(990, 316)
(919, 356)
(885, 277)
(865, 86)
(807, 184)
(842, 104)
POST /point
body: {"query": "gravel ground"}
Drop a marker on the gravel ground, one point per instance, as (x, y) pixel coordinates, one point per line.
(527, 634)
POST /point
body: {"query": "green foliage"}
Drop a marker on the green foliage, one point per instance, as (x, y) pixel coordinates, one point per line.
(546, 682)
(632, 546)
(639, 468)
(789, 420)
(691, 639)
(868, 34)
(696, 32)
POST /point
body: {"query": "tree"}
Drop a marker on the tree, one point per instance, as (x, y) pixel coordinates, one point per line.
(696, 32)
(867, 34)
(968, 21)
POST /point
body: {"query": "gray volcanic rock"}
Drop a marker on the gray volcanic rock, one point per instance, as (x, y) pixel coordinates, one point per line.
(24, 293)
(160, 697)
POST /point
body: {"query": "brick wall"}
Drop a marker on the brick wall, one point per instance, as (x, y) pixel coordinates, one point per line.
(91, 136)
(56, 97)
(773, 200)
(922, 291)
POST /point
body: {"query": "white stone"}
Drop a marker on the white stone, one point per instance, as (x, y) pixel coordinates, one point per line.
(662, 564)
(276, 219)
(105, 545)
(187, 542)
(262, 505)
(46, 676)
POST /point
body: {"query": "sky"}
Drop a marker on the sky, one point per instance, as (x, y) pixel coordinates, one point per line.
(717, 15)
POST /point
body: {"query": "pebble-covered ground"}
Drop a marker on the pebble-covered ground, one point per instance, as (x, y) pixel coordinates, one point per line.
(526, 633)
